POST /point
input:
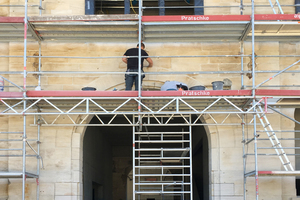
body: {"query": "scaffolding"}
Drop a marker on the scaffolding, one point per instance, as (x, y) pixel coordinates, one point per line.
(153, 106)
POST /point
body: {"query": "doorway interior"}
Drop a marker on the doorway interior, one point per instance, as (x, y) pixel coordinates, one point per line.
(107, 160)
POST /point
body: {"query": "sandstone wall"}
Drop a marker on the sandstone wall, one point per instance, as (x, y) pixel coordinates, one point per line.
(61, 147)
(63, 78)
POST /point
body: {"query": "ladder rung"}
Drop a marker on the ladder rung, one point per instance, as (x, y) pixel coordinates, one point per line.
(163, 166)
(162, 175)
(276, 145)
(161, 158)
(166, 183)
(150, 155)
(144, 161)
(266, 125)
(273, 134)
(287, 163)
(145, 136)
(139, 133)
(162, 192)
(164, 149)
(262, 115)
(161, 141)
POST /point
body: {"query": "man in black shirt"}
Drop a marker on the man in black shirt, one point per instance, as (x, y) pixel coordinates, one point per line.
(132, 66)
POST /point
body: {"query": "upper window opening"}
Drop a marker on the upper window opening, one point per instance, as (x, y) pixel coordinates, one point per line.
(118, 7)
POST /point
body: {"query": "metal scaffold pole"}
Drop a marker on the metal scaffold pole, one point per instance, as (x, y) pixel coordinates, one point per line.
(255, 155)
(253, 50)
(24, 155)
(253, 101)
(244, 154)
(133, 158)
(40, 7)
(39, 70)
(242, 64)
(140, 60)
(24, 104)
(191, 158)
(39, 159)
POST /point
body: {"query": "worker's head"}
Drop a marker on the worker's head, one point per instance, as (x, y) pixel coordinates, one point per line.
(142, 45)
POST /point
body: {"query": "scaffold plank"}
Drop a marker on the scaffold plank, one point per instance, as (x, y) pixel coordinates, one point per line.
(260, 17)
(82, 93)
(11, 19)
(11, 94)
(278, 173)
(135, 93)
(262, 92)
(115, 17)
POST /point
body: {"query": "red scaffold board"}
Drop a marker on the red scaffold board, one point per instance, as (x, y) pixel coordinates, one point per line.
(260, 17)
(237, 93)
(11, 19)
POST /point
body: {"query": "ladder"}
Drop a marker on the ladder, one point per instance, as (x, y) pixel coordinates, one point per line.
(162, 165)
(273, 6)
(274, 140)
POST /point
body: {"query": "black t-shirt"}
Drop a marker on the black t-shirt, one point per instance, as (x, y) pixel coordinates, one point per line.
(132, 63)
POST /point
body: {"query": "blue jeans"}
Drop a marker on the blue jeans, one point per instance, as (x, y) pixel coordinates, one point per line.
(130, 79)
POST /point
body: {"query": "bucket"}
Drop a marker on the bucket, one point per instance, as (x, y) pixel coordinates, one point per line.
(1, 84)
(88, 89)
(217, 85)
(198, 87)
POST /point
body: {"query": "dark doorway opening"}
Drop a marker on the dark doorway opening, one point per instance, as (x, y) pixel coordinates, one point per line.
(297, 151)
(200, 163)
(107, 159)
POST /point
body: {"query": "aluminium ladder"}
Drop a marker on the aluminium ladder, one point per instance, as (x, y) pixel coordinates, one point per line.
(162, 165)
(274, 5)
(274, 140)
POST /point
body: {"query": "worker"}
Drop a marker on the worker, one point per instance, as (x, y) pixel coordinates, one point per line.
(132, 66)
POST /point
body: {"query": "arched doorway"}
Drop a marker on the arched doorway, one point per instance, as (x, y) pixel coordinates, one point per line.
(107, 160)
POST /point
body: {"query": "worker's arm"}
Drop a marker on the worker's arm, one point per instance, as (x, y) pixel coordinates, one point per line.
(149, 60)
(124, 59)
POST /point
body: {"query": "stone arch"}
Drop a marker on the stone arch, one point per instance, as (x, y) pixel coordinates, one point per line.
(77, 147)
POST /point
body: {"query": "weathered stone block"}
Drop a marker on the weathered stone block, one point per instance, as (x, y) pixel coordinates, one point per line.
(63, 189)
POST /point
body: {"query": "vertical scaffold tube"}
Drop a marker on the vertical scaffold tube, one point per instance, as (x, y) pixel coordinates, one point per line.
(24, 154)
(25, 49)
(191, 158)
(253, 50)
(24, 104)
(242, 49)
(41, 7)
(242, 7)
(38, 160)
(242, 65)
(244, 155)
(40, 60)
(133, 158)
(253, 95)
(255, 153)
(140, 59)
